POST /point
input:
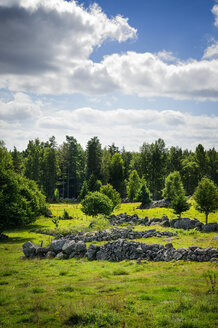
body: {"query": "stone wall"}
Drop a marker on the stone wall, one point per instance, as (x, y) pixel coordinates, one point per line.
(184, 223)
(116, 233)
(118, 251)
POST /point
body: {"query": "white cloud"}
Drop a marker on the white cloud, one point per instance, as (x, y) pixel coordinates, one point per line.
(20, 108)
(215, 12)
(211, 51)
(47, 48)
(129, 128)
(146, 75)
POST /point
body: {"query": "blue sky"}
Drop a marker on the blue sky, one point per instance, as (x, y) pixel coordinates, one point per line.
(127, 71)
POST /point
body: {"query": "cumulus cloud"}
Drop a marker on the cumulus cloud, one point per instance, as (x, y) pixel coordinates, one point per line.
(129, 128)
(146, 75)
(211, 51)
(45, 48)
(20, 108)
(40, 36)
(215, 12)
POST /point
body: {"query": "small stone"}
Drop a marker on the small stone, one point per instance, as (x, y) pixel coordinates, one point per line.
(169, 245)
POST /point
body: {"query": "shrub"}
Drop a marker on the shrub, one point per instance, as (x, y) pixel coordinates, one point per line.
(111, 193)
(143, 194)
(97, 203)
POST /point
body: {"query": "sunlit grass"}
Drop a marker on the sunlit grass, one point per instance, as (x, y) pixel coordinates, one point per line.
(79, 293)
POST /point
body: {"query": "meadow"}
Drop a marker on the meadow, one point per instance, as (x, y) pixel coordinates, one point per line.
(79, 293)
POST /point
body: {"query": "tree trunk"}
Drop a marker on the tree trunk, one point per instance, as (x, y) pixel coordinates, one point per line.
(206, 218)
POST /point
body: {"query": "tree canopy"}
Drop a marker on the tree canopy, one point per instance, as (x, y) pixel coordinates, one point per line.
(21, 202)
(206, 197)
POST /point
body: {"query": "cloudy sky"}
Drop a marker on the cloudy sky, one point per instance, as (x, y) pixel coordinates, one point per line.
(126, 71)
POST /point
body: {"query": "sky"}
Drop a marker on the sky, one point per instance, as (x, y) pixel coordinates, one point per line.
(126, 71)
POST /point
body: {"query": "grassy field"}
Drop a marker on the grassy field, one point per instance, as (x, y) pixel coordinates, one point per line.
(79, 293)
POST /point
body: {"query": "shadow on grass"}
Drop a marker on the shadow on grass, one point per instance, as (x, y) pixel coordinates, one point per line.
(26, 230)
(15, 240)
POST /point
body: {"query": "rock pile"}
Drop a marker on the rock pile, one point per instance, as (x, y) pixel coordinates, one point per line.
(119, 250)
(62, 249)
(184, 223)
(117, 233)
(154, 204)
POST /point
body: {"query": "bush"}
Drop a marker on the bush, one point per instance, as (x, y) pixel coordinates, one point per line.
(97, 203)
(112, 194)
(21, 202)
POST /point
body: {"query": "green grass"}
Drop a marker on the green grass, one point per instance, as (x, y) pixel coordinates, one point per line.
(79, 293)
(131, 208)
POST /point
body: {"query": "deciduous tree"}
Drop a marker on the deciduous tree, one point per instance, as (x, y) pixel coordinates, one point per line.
(206, 197)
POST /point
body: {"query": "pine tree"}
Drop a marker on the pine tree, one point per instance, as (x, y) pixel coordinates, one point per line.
(133, 185)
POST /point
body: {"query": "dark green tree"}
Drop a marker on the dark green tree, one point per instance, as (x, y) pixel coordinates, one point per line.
(49, 171)
(174, 159)
(127, 157)
(94, 158)
(173, 186)
(71, 161)
(117, 173)
(190, 174)
(212, 156)
(113, 149)
(84, 191)
(201, 160)
(33, 161)
(105, 166)
(21, 202)
(154, 166)
(179, 204)
(206, 197)
(143, 195)
(133, 185)
(18, 161)
(93, 184)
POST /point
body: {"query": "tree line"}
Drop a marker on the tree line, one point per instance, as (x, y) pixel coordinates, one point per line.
(68, 171)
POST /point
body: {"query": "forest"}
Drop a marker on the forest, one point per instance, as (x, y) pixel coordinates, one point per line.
(64, 171)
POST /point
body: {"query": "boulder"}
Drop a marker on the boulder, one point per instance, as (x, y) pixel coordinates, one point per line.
(80, 247)
(69, 246)
(29, 249)
(61, 256)
(56, 245)
(92, 251)
(210, 227)
(50, 255)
